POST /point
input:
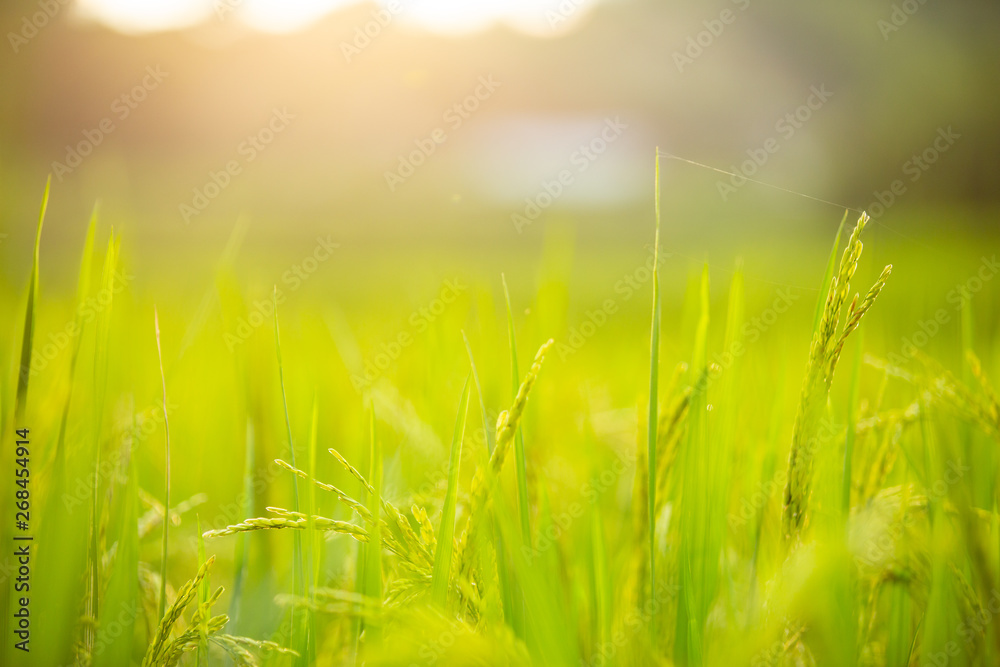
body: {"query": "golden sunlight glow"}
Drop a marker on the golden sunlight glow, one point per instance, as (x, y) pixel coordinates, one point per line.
(463, 16)
(538, 17)
(134, 16)
(286, 15)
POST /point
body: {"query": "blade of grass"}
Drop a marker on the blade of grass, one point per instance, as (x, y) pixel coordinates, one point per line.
(699, 550)
(118, 614)
(516, 610)
(507, 594)
(599, 555)
(521, 465)
(852, 419)
(488, 436)
(241, 561)
(298, 568)
(446, 532)
(552, 637)
(101, 345)
(166, 474)
(373, 550)
(29, 317)
(828, 275)
(203, 593)
(652, 427)
(62, 570)
(313, 553)
(82, 292)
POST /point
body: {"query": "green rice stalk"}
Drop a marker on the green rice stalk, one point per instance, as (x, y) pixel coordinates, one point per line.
(852, 427)
(854, 317)
(156, 653)
(515, 605)
(188, 641)
(241, 561)
(954, 394)
(698, 555)
(298, 569)
(445, 540)
(29, 316)
(419, 561)
(427, 534)
(240, 649)
(602, 582)
(82, 292)
(62, 569)
(203, 601)
(511, 598)
(166, 481)
(507, 424)
(201, 614)
(652, 429)
(373, 550)
(115, 631)
(101, 345)
(313, 551)
(296, 521)
(670, 432)
(824, 353)
(991, 405)
(343, 497)
(520, 462)
(831, 263)
(884, 457)
(399, 527)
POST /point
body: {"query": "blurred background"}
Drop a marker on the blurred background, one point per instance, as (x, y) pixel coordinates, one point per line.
(144, 104)
(383, 163)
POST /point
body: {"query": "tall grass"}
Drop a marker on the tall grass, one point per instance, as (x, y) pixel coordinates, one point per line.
(709, 516)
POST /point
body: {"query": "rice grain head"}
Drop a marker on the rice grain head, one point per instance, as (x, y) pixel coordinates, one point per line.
(824, 353)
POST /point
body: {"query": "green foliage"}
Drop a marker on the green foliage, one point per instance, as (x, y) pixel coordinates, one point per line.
(689, 521)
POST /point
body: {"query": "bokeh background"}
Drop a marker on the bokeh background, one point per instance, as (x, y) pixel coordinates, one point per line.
(239, 145)
(897, 72)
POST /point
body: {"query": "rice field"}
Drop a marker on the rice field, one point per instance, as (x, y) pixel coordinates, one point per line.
(649, 460)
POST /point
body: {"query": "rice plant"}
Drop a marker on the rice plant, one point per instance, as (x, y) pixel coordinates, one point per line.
(676, 504)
